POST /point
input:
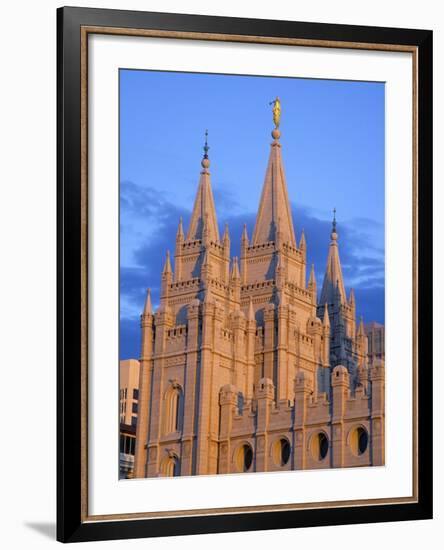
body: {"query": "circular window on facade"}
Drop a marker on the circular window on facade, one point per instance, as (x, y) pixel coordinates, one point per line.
(319, 446)
(359, 441)
(244, 458)
(281, 452)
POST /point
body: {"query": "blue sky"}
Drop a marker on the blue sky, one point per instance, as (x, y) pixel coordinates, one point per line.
(332, 135)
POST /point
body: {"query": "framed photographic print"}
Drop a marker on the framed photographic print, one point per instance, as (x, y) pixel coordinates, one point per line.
(245, 274)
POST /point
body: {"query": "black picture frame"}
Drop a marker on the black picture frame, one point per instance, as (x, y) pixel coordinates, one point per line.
(71, 524)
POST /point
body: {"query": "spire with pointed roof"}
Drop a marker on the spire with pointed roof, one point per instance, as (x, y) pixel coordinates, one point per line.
(235, 270)
(351, 298)
(245, 240)
(326, 320)
(274, 208)
(204, 212)
(179, 234)
(333, 286)
(303, 242)
(312, 279)
(167, 266)
(148, 309)
(226, 237)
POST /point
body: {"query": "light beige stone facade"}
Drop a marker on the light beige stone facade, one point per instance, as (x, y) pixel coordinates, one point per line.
(241, 368)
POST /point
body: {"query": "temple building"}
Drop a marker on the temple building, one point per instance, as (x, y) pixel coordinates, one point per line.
(242, 367)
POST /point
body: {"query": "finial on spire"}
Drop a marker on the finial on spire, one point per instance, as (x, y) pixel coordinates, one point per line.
(206, 147)
(334, 234)
(276, 111)
(206, 161)
(276, 117)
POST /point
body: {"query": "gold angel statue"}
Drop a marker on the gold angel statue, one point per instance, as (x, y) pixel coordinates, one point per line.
(276, 111)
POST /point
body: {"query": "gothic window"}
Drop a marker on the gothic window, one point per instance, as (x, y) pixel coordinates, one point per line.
(173, 409)
(171, 466)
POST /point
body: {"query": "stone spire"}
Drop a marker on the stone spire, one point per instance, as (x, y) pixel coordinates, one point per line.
(326, 320)
(235, 270)
(245, 240)
(204, 212)
(167, 267)
(351, 299)
(303, 242)
(148, 309)
(333, 285)
(226, 237)
(179, 234)
(274, 207)
(312, 279)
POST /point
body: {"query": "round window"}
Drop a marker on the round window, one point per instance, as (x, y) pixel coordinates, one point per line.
(244, 458)
(359, 441)
(281, 452)
(319, 446)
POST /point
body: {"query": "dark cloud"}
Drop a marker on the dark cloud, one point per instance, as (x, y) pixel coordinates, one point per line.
(362, 261)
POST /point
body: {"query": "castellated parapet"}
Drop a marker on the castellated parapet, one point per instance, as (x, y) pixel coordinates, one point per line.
(242, 367)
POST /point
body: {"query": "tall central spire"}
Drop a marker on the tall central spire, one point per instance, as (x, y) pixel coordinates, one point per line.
(274, 212)
(203, 219)
(333, 282)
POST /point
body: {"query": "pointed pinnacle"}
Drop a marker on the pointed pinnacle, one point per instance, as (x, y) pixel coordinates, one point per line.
(351, 299)
(148, 309)
(235, 269)
(302, 242)
(167, 266)
(326, 317)
(245, 234)
(180, 229)
(312, 279)
(226, 237)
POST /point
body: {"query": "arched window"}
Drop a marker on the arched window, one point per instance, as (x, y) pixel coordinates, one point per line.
(171, 466)
(173, 409)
